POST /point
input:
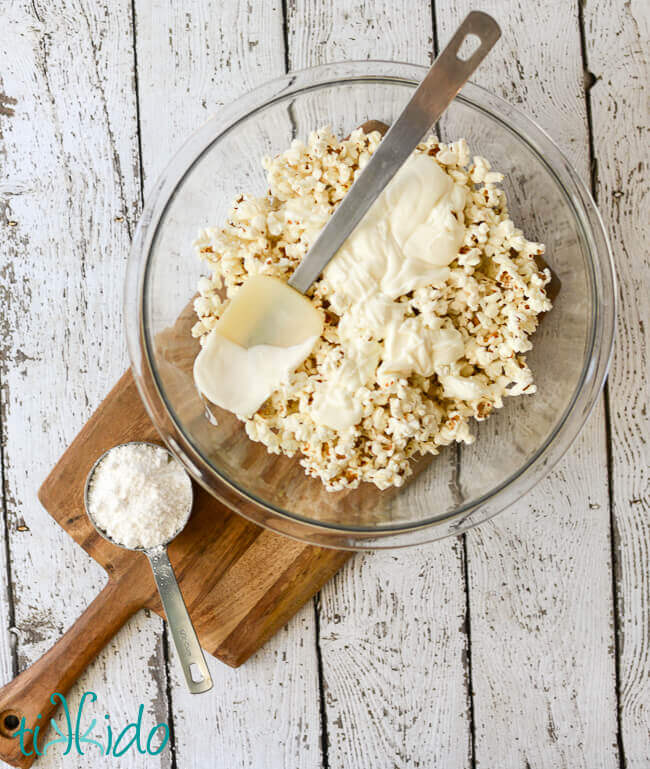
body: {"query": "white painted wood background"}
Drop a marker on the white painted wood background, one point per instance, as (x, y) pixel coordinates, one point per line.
(523, 643)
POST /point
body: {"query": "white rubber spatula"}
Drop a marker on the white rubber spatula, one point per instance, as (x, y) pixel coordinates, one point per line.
(269, 327)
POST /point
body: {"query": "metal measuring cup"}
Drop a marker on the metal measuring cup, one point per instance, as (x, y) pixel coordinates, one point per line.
(186, 642)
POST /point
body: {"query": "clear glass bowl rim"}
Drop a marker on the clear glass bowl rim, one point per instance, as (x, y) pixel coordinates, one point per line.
(595, 368)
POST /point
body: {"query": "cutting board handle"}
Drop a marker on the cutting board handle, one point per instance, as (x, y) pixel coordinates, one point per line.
(29, 694)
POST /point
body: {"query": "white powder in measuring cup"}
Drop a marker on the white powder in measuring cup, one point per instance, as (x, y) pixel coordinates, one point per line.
(139, 495)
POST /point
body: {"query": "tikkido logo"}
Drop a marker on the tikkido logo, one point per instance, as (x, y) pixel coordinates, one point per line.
(76, 739)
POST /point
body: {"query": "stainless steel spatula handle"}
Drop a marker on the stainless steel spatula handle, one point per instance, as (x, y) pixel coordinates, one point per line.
(446, 77)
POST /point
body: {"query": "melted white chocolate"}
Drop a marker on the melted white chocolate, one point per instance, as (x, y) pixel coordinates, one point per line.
(407, 240)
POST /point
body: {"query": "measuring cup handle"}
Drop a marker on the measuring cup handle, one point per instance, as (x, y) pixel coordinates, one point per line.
(187, 644)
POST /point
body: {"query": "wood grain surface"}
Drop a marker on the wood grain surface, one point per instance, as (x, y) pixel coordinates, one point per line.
(540, 574)
(525, 644)
(618, 72)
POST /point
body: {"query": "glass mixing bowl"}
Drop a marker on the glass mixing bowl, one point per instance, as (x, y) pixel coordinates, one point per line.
(457, 489)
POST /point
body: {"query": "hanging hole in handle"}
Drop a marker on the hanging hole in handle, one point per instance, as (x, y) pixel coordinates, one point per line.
(195, 673)
(9, 723)
(470, 45)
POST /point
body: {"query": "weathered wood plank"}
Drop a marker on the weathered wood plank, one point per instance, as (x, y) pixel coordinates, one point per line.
(192, 59)
(323, 32)
(392, 624)
(540, 575)
(393, 643)
(70, 195)
(263, 714)
(618, 57)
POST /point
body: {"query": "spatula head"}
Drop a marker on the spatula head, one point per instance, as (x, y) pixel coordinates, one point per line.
(267, 311)
(265, 333)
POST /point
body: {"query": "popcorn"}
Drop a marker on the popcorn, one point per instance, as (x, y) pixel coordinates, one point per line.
(492, 297)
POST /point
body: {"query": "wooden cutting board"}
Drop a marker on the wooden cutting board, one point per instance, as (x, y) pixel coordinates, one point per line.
(241, 583)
